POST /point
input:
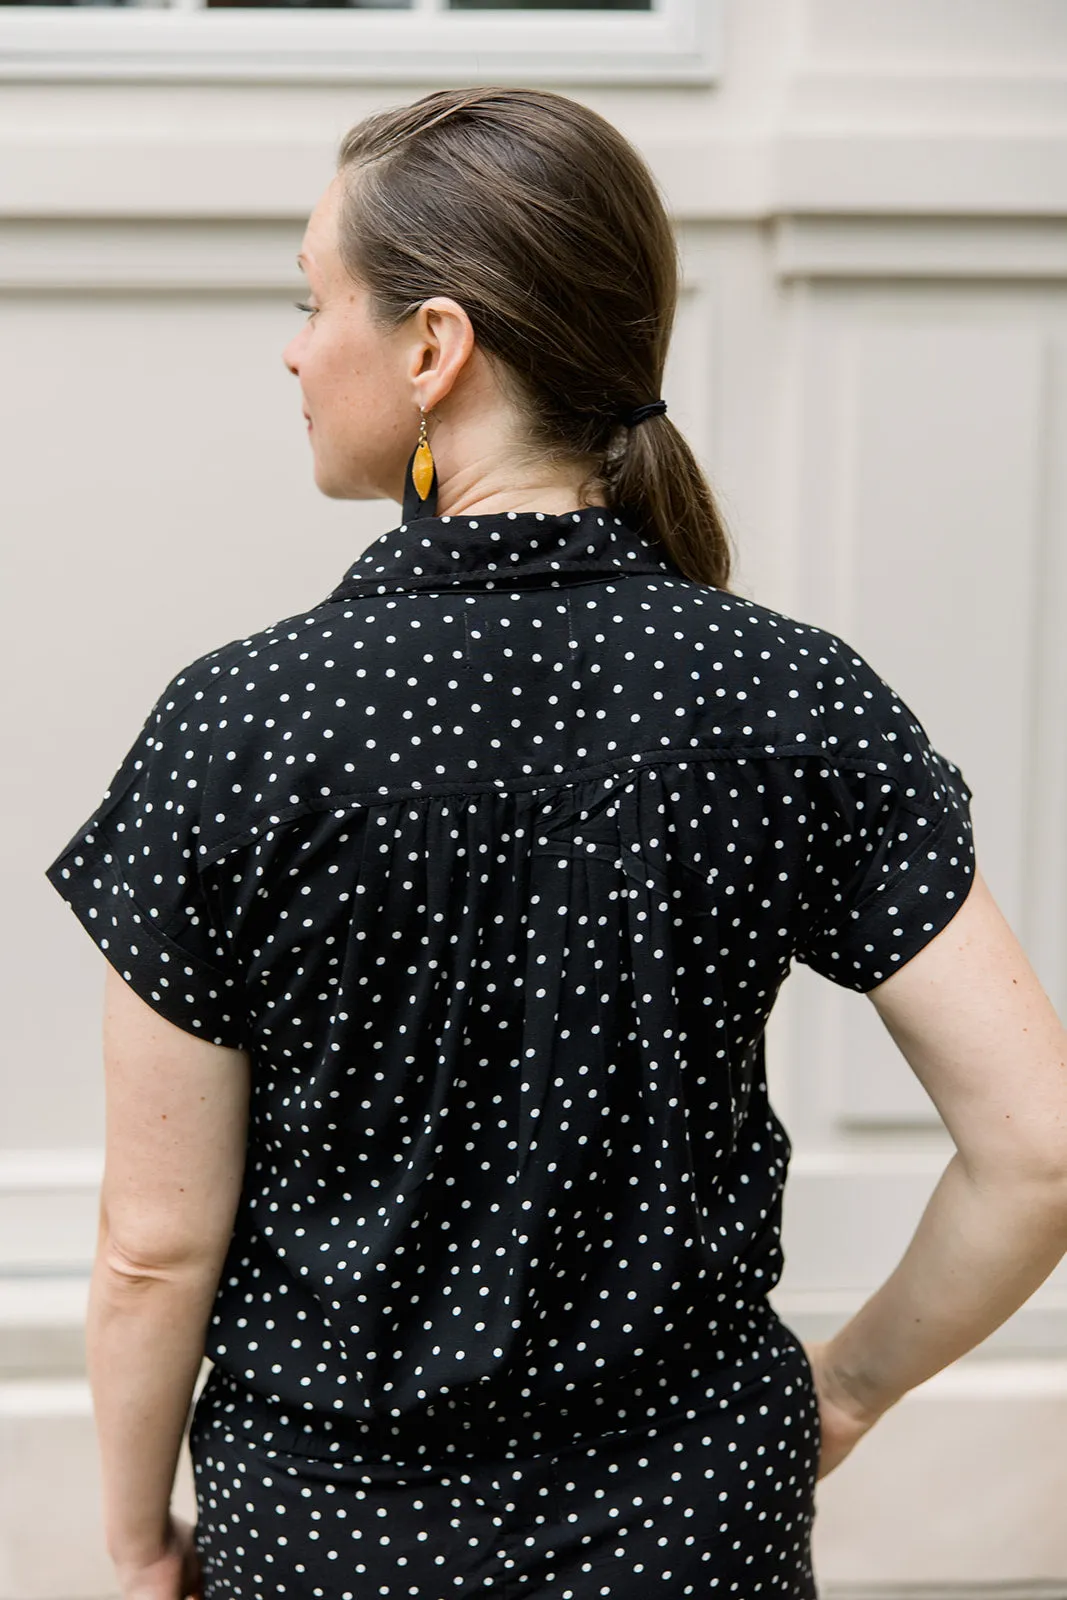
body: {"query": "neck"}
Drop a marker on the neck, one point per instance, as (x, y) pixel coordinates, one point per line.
(465, 495)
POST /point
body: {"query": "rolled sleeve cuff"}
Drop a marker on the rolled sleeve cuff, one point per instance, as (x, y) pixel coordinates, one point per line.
(188, 991)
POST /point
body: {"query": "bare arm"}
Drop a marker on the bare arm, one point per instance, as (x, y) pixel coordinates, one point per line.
(985, 1042)
(175, 1150)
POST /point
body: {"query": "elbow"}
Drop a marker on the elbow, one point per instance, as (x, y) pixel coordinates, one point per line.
(1035, 1170)
(135, 1266)
(1049, 1186)
(134, 1271)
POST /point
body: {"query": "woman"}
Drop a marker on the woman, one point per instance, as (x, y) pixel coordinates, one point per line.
(443, 923)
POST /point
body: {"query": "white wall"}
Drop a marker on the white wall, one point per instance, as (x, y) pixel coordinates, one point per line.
(872, 361)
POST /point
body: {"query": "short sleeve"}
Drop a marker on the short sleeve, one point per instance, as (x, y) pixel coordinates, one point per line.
(892, 852)
(130, 875)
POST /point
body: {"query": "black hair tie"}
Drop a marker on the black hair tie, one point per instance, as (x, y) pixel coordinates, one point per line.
(654, 408)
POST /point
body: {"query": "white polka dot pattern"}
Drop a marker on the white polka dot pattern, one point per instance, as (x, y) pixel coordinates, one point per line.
(495, 861)
(712, 1497)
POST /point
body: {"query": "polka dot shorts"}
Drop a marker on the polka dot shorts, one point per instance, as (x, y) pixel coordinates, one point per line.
(714, 1496)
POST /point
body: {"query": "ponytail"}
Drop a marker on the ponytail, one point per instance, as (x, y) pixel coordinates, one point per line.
(656, 486)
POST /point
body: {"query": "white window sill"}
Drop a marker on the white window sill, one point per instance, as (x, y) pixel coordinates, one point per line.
(679, 42)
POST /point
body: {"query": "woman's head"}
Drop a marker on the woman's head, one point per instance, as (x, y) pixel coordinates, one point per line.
(502, 258)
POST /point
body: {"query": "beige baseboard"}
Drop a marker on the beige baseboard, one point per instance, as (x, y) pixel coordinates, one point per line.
(958, 1490)
(952, 1591)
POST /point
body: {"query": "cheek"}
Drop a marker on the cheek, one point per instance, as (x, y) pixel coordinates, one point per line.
(338, 371)
(357, 396)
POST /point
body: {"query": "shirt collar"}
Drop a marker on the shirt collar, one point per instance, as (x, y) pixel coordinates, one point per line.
(503, 550)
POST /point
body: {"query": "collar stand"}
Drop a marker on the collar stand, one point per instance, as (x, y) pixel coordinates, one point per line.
(502, 550)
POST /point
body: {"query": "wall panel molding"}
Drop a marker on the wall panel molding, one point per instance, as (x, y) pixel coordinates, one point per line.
(247, 253)
(1020, 249)
(48, 1211)
(89, 255)
(706, 172)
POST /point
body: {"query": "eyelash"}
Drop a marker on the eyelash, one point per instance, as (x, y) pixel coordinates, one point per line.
(300, 306)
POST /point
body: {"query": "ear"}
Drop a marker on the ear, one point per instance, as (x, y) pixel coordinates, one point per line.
(443, 343)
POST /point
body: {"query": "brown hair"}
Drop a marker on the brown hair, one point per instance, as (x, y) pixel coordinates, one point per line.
(545, 224)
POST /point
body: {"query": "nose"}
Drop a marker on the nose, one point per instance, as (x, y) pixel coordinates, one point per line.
(290, 359)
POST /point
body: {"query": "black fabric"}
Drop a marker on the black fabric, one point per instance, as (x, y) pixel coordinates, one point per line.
(495, 861)
(644, 1502)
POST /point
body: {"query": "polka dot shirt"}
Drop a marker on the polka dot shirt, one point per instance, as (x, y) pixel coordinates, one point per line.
(495, 861)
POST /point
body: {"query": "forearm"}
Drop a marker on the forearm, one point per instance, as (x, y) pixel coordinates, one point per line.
(144, 1343)
(980, 1250)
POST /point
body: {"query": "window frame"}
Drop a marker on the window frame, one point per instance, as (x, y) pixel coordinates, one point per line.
(679, 41)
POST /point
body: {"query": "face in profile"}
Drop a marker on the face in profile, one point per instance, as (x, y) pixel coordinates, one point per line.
(355, 381)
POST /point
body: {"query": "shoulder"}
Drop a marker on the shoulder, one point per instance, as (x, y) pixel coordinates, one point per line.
(757, 633)
(224, 681)
(793, 687)
(209, 711)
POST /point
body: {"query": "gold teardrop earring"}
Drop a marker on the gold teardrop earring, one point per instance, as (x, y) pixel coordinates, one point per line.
(420, 479)
(423, 465)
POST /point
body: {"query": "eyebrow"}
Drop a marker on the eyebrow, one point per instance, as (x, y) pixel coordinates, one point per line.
(300, 260)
